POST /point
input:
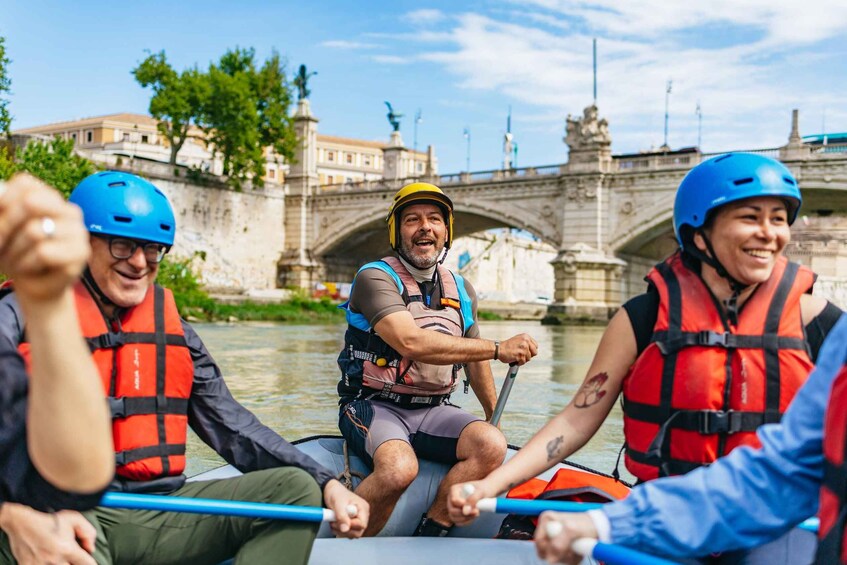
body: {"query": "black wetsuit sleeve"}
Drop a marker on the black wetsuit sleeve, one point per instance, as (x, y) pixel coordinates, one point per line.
(643, 311)
(19, 479)
(232, 430)
(819, 327)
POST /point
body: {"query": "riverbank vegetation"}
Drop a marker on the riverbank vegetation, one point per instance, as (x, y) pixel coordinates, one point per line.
(194, 302)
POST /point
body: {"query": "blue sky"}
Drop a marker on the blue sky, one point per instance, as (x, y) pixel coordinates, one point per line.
(748, 63)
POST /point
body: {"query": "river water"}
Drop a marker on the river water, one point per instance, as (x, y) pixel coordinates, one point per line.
(286, 375)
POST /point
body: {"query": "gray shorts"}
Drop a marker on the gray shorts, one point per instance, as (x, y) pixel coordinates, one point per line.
(433, 432)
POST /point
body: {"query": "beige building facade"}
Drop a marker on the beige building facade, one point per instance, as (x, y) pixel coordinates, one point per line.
(340, 160)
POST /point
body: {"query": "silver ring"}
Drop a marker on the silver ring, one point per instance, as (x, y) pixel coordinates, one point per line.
(48, 226)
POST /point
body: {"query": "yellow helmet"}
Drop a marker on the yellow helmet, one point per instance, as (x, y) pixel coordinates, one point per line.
(418, 192)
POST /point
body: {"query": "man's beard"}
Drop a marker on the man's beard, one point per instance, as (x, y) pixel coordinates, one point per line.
(417, 260)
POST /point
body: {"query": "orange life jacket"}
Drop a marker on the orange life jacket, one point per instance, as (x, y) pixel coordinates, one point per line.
(571, 484)
(147, 375)
(703, 386)
(567, 484)
(832, 546)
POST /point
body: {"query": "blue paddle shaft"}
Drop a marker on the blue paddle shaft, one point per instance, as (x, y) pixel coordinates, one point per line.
(619, 555)
(536, 507)
(212, 506)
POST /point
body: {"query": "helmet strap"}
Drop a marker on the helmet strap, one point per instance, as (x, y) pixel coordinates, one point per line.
(444, 257)
(711, 259)
(94, 288)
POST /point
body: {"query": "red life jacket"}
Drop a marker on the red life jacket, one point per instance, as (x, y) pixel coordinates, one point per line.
(703, 386)
(147, 375)
(832, 546)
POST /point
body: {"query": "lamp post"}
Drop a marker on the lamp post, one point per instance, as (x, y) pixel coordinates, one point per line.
(467, 134)
(667, 100)
(418, 119)
(699, 127)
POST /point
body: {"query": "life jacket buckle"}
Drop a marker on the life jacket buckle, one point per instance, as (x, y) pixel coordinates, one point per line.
(715, 339)
(720, 422)
(110, 340)
(117, 406)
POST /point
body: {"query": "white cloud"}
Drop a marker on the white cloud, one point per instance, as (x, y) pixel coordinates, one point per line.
(391, 59)
(425, 16)
(350, 45)
(642, 45)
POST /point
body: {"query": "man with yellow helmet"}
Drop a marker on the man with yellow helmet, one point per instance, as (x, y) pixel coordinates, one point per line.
(411, 323)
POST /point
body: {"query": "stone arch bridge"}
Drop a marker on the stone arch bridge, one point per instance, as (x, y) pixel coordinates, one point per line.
(608, 216)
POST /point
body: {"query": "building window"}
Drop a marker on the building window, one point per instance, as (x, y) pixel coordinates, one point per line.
(349, 158)
(89, 136)
(420, 167)
(366, 160)
(329, 179)
(271, 174)
(145, 139)
(126, 137)
(73, 136)
(330, 156)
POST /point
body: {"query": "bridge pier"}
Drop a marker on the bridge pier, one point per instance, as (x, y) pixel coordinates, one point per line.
(588, 286)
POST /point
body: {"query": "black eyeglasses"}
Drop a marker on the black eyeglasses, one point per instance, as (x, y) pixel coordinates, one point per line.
(123, 248)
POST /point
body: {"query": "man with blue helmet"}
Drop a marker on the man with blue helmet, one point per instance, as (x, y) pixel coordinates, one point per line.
(159, 379)
(718, 346)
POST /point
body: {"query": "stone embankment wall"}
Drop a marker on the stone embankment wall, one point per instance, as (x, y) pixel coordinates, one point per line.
(241, 234)
(505, 268)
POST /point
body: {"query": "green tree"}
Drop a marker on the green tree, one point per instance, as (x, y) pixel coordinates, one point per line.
(55, 163)
(247, 111)
(5, 88)
(177, 100)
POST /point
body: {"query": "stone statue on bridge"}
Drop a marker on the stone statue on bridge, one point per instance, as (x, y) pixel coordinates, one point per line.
(393, 117)
(300, 81)
(588, 132)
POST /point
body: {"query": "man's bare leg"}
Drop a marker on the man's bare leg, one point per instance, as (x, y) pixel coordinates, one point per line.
(395, 467)
(480, 450)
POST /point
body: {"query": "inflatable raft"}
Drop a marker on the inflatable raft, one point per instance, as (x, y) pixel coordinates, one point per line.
(470, 544)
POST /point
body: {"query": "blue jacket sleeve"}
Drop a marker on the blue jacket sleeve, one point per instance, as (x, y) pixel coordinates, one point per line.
(232, 430)
(750, 496)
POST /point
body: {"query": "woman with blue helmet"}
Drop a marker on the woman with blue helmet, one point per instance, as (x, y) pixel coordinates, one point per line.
(718, 345)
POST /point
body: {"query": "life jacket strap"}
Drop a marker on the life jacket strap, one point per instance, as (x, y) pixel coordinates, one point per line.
(126, 406)
(130, 455)
(376, 359)
(408, 400)
(703, 421)
(669, 343)
(835, 479)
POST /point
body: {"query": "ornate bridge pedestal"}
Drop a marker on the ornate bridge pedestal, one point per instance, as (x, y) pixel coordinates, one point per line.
(296, 266)
(588, 285)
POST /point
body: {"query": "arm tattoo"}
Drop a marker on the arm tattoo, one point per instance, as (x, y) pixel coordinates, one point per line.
(591, 392)
(553, 448)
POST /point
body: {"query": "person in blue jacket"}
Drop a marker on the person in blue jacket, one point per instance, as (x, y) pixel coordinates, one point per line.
(743, 500)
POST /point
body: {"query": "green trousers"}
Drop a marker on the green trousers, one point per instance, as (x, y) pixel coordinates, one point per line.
(151, 537)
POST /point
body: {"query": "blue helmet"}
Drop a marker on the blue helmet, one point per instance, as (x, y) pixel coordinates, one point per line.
(122, 204)
(727, 178)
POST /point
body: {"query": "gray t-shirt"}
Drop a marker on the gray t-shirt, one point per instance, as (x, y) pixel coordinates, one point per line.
(375, 296)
